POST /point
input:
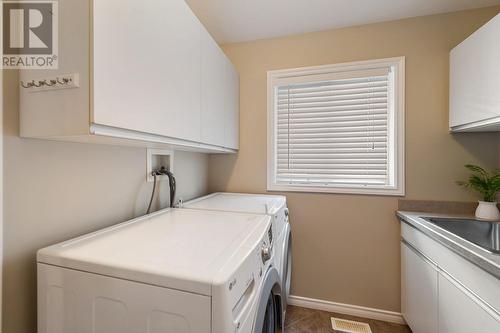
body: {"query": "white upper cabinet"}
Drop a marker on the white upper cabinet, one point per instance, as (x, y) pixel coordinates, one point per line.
(219, 96)
(147, 67)
(149, 75)
(232, 107)
(213, 91)
(474, 81)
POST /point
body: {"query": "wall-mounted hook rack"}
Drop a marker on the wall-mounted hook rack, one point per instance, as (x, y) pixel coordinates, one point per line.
(50, 83)
(66, 81)
(26, 85)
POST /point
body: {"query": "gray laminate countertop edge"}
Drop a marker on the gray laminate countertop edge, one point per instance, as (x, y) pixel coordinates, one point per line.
(488, 261)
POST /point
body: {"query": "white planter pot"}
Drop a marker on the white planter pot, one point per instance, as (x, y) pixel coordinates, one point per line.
(487, 211)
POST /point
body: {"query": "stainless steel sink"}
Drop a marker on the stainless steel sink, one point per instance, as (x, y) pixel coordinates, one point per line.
(482, 233)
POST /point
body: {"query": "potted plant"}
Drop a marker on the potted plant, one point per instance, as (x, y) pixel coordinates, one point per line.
(488, 185)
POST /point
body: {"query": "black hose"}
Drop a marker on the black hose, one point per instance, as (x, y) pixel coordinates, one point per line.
(173, 187)
(153, 193)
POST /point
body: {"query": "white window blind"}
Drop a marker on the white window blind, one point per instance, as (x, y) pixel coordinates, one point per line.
(337, 132)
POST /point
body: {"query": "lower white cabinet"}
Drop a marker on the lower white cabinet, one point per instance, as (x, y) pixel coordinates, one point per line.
(443, 293)
(461, 312)
(419, 291)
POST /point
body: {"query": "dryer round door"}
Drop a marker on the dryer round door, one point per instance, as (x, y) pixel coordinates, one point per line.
(269, 309)
(286, 264)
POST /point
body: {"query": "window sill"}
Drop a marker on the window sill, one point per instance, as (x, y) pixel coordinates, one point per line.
(337, 190)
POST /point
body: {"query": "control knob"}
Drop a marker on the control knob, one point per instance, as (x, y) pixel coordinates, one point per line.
(265, 253)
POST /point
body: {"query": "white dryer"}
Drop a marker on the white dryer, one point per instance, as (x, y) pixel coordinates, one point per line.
(177, 270)
(272, 205)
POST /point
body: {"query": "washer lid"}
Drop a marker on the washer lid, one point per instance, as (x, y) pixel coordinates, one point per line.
(180, 248)
(236, 202)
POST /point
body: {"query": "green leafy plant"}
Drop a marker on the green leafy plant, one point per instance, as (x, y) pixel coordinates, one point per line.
(482, 181)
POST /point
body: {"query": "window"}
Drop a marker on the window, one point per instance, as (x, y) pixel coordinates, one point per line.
(337, 128)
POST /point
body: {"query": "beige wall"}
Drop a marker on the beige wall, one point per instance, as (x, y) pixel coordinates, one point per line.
(346, 247)
(54, 191)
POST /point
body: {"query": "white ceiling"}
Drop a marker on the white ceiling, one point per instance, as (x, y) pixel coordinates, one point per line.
(244, 20)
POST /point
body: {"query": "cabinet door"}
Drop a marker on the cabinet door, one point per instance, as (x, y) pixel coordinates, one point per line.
(475, 76)
(419, 291)
(232, 118)
(146, 67)
(213, 91)
(462, 312)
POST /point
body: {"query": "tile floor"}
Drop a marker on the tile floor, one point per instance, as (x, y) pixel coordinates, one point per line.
(301, 320)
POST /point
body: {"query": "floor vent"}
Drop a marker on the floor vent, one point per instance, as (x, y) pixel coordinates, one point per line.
(350, 326)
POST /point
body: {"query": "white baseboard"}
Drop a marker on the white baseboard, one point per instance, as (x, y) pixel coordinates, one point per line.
(347, 309)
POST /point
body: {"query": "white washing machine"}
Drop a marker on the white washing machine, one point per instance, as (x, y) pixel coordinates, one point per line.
(176, 271)
(272, 205)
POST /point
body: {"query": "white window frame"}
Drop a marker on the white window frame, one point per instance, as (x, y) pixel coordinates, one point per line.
(281, 77)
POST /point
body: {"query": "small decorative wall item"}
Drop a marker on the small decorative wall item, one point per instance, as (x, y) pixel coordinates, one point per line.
(65, 81)
(488, 185)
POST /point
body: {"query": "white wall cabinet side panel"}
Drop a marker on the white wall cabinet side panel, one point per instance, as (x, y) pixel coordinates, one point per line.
(475, 76)
(147, 67)
(66, 111)
(74, 301)
(419, 286)
(213, 91)
(459, 313)
(232, 99)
